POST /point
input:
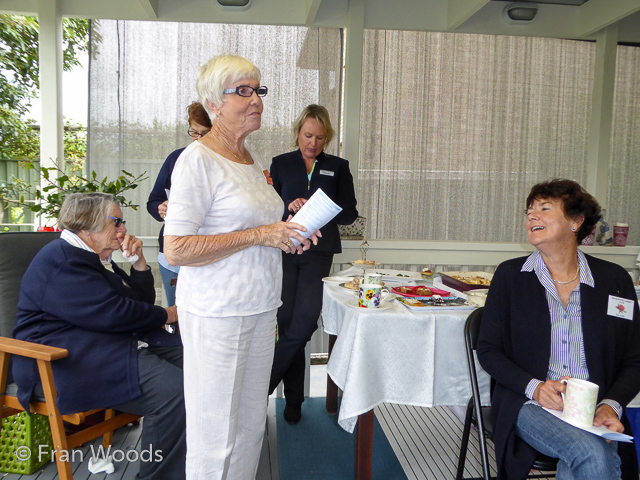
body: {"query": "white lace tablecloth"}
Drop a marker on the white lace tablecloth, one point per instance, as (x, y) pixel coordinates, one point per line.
(395, 356)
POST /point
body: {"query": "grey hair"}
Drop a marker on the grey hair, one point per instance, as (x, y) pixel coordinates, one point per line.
(220, 72)
(86, 211)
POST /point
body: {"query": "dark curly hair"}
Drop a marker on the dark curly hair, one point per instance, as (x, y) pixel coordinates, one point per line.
(576, 202)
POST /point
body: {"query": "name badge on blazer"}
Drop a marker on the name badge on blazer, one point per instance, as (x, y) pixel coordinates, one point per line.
(329, 173)
(620, 307)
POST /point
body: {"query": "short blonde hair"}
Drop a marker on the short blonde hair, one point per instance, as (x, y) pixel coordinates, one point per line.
(321, 115)
(219, 72)
(86, 211)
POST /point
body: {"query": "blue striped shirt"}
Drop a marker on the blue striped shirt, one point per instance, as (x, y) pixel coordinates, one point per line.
(567, 340)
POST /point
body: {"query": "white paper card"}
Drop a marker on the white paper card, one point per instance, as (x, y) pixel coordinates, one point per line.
(326, 172)
(620, 307)
(315, 214)
(601, 431)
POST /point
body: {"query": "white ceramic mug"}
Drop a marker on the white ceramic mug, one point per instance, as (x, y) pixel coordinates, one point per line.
(372, 278)
(371, 295)
(579, 402)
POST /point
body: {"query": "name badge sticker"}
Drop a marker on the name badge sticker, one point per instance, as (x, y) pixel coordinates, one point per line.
(620, 307)
(329, 173)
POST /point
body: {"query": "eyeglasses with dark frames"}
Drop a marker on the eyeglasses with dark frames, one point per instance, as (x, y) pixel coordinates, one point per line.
(247, 91)
(118, 221)
(197, 135)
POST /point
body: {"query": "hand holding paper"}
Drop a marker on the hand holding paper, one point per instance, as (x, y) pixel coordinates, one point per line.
(602, 431)
(315, 214)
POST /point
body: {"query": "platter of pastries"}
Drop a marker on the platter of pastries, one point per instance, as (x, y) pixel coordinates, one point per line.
(411, 291)
(363, 263)
(464, 281)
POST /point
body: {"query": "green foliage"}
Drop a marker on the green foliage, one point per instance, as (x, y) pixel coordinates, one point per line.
(57, 183)
(19, 81)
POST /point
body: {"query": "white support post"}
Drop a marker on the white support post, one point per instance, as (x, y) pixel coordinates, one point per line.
(602, 114)
(353, 86)
(50, 63)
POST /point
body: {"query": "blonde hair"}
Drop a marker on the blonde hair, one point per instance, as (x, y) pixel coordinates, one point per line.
(86, 211)
(321, 115)
(217, 74)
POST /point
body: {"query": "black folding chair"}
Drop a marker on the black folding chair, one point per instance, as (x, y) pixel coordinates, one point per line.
(479, 416)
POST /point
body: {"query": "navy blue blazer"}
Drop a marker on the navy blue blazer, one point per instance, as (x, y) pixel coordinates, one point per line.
(332, 175)
(69, 300)
(514, 346)
(158, 194)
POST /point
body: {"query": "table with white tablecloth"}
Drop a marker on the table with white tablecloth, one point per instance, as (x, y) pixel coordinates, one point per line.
(393, 355)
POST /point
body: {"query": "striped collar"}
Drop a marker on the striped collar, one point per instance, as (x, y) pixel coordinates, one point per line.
(536, 263)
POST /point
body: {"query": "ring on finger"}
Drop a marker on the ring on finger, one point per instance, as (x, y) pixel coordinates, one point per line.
(287, 243)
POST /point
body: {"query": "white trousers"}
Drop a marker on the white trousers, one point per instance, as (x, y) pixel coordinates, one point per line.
(227, 361)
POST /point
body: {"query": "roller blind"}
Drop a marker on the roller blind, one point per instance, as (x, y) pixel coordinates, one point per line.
(456, 128)
(142, 77)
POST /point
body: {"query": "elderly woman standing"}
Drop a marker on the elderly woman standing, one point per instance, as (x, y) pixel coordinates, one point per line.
(296, 176)
(551, 316)
(222, 227)
(74, 296)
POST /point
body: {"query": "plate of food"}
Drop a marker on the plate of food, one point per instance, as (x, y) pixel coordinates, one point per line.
(336, 279)
(389, 274)
(435, 303)
(363, 263)
(353, 284)
(411, 291)
(464, 281)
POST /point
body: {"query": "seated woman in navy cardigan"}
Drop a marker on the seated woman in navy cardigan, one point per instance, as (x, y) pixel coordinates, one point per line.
(548, 317)
(75, 297)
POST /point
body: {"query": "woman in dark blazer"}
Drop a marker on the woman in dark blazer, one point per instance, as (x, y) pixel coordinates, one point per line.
(74, 296)
(296, 176)
(549, 317)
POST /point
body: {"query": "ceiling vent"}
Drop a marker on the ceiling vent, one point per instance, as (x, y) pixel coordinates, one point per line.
(235, 4)
(520, 13)
(575, 3)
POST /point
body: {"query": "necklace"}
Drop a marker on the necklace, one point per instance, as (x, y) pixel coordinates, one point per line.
(228, 149)
(237, 157)
(572, 280)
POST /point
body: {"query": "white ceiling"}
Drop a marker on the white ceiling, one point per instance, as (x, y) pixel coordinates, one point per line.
(468, 16)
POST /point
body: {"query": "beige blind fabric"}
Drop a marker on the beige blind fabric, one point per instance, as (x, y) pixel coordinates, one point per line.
(456, 128)
(142, 77)
(624, 167)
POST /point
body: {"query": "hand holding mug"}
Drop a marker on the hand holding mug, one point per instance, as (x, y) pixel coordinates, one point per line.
(580, 401)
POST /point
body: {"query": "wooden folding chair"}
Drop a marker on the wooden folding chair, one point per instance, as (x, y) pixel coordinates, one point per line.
(17, 249)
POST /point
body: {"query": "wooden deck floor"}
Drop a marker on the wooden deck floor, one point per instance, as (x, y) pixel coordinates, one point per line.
(126, 439)
(425, 440)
